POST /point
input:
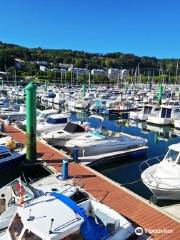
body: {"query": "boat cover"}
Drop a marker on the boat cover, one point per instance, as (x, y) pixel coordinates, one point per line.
(89, 229)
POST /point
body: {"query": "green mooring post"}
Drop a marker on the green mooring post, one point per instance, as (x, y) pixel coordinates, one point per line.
(30, 90)
(46, 86)
(84, 89)
(160, 91)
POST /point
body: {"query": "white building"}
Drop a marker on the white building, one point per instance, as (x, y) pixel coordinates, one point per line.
(65, 65)
(43, 68)
(117, 73)
(99, 72)
(79, 71)
(44, 63)
(114, 73)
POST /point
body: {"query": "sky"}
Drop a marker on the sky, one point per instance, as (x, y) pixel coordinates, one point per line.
(141, 27)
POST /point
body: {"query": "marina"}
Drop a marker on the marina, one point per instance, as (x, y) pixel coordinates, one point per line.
(90, 120)
(105, 177)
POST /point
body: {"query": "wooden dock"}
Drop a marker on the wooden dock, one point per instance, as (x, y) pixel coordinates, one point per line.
(132, 206)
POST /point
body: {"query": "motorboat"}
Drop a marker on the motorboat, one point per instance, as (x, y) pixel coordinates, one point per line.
(60, 137)
(15, 114)
(96, 142)
(19, 192)
(42, 115)
(55, 216)
(166, 116)
(143, 114)
(53, 122)
(72, 130)
(163, 178)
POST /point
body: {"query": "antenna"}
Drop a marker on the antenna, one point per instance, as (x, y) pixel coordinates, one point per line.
(50, 229)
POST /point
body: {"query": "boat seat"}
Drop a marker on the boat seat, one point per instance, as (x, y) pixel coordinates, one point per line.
(2, 205)
(110, 223)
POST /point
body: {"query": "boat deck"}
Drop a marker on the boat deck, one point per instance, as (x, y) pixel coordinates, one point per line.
(135, 208)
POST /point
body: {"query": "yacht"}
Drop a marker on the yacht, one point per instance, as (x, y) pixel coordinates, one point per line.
(163, 178)
(166, 116)
(96, 142)
(53, 122)
(60, 137)
(55, 216)
(17, 113)
(72, 130)
(143, 114)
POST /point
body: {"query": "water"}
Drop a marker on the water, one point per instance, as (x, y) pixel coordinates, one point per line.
(28, 174)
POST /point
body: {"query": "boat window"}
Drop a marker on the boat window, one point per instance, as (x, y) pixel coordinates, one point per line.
(176, 110)
(166, 113)
(57, 121)
(28, 235)
(172, 155)
(16, 227)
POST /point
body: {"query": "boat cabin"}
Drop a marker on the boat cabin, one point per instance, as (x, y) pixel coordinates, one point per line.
(173, 154)
(57, 119)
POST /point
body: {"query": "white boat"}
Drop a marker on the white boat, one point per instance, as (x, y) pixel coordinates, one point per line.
(167, 115)
(143, 114)
(94, 143)
(42, 115)
(55, 216)
(53, 122)
(163, 178)
(13, 114)
(71, 130)
(18, 192)
(60, 137)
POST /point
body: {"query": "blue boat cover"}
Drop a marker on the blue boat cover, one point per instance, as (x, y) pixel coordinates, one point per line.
(89, 229)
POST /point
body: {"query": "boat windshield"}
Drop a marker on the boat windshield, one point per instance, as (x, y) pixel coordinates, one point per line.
(172, 155)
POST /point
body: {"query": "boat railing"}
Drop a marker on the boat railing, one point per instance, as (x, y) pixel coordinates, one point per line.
(149, 162)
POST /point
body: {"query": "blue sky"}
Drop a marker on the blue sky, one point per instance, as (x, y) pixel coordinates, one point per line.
(142, 27)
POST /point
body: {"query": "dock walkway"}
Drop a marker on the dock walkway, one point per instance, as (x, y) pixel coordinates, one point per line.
(115, 196)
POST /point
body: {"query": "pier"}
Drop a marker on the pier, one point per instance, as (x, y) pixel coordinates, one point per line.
(129, 204)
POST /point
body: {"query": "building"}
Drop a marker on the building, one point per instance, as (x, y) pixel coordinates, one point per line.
(99, 72)
(79, 71)
(43, 63)
(114, 73)
(117, 73)
(65, 65)
(43, 68)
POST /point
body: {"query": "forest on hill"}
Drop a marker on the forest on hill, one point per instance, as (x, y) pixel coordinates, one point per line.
(81, 59)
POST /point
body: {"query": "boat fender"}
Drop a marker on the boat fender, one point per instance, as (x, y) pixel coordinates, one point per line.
(11, 144)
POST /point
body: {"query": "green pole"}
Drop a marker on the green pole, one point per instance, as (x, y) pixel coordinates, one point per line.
(30, 122)
(46, 86)
(84, 89)
(160, 91)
